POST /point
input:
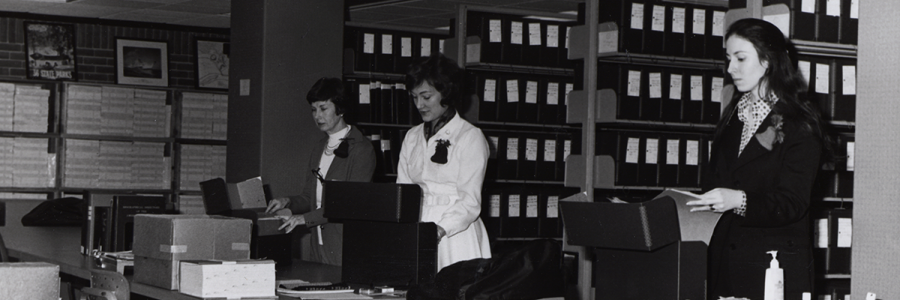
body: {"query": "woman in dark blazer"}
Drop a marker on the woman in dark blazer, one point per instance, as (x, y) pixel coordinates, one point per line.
(343, 154)
(765, 156)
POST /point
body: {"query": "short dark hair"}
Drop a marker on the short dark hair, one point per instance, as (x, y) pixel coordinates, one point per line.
(328, 88)
(440, 72)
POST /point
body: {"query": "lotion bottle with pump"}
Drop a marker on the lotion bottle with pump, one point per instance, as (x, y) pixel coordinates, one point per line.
(774, 279)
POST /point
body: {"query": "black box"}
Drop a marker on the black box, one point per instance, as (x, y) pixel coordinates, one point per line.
(370, 201)
(392, 254)
(675, 271)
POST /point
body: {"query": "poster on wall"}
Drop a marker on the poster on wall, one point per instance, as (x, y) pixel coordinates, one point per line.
(212, 64)
(142, 62)
(50, 51)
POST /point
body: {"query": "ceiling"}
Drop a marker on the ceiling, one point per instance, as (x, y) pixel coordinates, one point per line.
(424, 14)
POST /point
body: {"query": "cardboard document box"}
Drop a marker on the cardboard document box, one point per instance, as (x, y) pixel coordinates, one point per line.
(228, 279)
(368, 201)
(180, 237)
(29, 281)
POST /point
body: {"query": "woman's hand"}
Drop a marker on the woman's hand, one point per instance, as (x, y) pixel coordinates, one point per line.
(290, 222)
(277, 204)
(718, 200)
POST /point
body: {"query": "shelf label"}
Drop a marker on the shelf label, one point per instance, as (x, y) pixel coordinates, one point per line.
(854, 9)
(513, 206)
(549, 150)
(490, 90)
(833, 8)
(637, 16)
(678, 19)
(495, 34)
(699, 21)
(718, 83)
(658, 20)
(364, 94)
(552, 36)
(405, 47)
(369, 43)
(850, 155)
(387, 44)
(495, 206)
(675, 87)
(822, 74)
(512, 149)
(534, 34)
(718, 25)
(531, 150)
(552, 93)
(696, 88)
(808, 6)
(531, 206)
(804, 66)
(425, 48)
(844, 232)
(512, 91)
(631, 150)
(849, 80)
(652, 151)
(655, 85)
(672, 152)
(569, 88)
(515, 33)
(692, 153)
(553, 207)
(531, 90)
(634, 83)
(567, 149)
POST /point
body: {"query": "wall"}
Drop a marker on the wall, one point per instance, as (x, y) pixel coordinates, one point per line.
(876, 210)
(96, 44)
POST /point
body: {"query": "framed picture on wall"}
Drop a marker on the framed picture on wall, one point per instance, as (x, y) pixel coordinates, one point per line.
(50, 51)
(142, 62)
(212, 63)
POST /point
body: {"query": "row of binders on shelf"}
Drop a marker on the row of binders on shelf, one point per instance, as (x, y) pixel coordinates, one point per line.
(521, 98)
(832, 85)
(832, 237)
(116, 164)
(386, 142)
(523, 212)
(836, 179)
(828, 21)
(660, 94)
(517, 40)
(653, 159)
(530, 156)
(386, 51)
(380, 101)
(27, 162)
(24, 107)
(119, 111)
(657, 27)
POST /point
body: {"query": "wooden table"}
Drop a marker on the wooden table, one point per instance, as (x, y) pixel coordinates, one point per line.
(61, 246)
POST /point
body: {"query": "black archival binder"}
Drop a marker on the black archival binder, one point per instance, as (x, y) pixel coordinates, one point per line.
(651, 103)
(528, 105)
(404, 108)
(674, 34)
(387, 105)
(528, 156)
(849, 22)
(514, 41)
(648, 172)
(632, 26)
(493, 141)
(403, 52)
(364, 48)
(821, 85)
(804, 20)
(486, 88)
(689, 158)
(508, 156)
(492, 31)
(693, 104)
(632, 80)
(530, 213)
(533, 44)
(715, 43)
(712, 105)
(552, 44)
(829, 21)
(511, 95)
(654, 29)
(695, 33)
(545, 168)
(491, 212)
(673, 91)
(512, 210)
(363, 96)
(384, 44)
(845, 89)
(670, 147)
(628, 160)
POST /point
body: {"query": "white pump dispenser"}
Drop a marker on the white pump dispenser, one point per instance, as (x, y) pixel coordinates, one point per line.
(774, 279)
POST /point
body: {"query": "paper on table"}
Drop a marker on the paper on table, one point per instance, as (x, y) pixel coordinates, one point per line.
(695, 226)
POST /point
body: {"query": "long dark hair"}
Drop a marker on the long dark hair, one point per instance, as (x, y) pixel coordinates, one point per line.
(781, 78)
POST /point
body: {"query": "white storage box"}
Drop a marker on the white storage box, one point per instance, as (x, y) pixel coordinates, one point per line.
(228, 279)
(29, 281)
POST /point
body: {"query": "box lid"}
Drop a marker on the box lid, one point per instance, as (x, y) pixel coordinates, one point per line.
(643, 226)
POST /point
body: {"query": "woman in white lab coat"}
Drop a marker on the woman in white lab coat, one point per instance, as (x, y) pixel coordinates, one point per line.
(446, 156)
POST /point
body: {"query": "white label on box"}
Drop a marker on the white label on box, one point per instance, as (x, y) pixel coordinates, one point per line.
(822, 74)
(549, 150)
(804, 66)
(425, 48)
(718, 83)
(240, 246)
(567, 149)
(552, 93)
(637, 16)
(531, 150)
(631, 150)
(850, 155)
(531, 90)
(658, 20)
(692, 153)
(696, 88)
(844, 232)
(553, 36)
(364, 94)
(634, 83)
(849, 80)
(820, 233)
(387, 44)
(808, 6)
(652, 151)
(675, 87)
(531, 206)
(672, 152)
(512, 91)
(854, 9)
(512, 149)
(490, 90)
(515, 33)
(655, 85)
(495, 206)
(513, 205)
(553, 207)
(833, 8)
(173, 248)
(369, 43)
(496, 32)
(699, 21)
(405, 47)
(385, 145)
(718, 25)
(534, 34)
(678, 20)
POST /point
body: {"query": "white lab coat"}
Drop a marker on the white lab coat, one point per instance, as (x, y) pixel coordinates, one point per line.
(451, 192)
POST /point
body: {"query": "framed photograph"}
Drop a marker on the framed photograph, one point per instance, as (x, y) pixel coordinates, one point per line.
(50, 51)
(142, 62)
(212, 64)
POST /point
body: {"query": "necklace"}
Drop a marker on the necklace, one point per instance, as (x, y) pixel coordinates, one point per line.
(329, 149)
